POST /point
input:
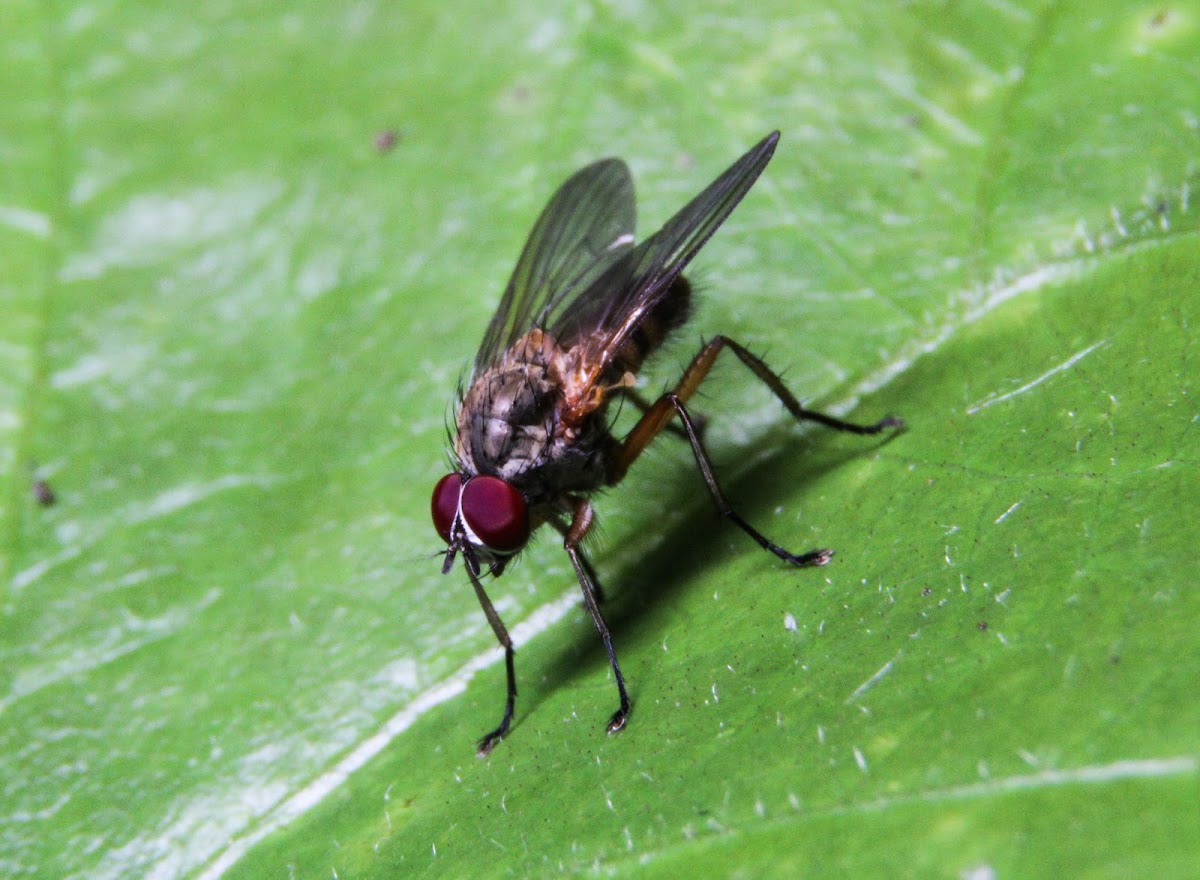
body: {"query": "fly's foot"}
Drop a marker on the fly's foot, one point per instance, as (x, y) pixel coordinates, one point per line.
(890, 422)
(811, 558)
(489, 742)
(618, 721)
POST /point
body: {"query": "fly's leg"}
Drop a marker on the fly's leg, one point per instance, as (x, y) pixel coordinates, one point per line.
(580, 523)
(592, 580)
(489, 741)
(643, 406)
(812, 557)
(673, 403)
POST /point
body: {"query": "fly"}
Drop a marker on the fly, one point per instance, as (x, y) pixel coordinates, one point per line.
(533, 434)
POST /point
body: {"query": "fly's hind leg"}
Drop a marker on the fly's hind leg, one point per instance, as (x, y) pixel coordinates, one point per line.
(659, 415)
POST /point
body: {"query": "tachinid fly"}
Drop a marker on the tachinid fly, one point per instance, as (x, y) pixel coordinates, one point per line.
(584, 308)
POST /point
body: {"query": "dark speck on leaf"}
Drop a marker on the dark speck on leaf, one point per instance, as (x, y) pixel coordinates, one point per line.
(42, 493)
(386, 140)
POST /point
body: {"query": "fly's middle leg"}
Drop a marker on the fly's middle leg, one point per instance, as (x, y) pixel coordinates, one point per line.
(643, 406)
(673, 403)
(593, 580)
(581, 521)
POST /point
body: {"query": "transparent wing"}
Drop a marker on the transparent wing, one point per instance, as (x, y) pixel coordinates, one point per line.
(610, 308)
(586, 228)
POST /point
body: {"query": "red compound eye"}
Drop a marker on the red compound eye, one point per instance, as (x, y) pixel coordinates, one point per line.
(495, 511)
(445, 504)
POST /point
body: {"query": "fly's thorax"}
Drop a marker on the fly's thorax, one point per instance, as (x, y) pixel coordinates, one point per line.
(511, 423)
(506, 420)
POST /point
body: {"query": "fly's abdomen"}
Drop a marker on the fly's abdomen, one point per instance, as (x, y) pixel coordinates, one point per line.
(668, 315)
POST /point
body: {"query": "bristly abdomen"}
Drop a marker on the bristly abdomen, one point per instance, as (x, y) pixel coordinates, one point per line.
(667, 316)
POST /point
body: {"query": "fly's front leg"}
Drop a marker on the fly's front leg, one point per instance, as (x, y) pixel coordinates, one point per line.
(673, 403)
(581, 521)
(489, 741)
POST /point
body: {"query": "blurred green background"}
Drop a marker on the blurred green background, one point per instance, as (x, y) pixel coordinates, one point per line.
(232, 317)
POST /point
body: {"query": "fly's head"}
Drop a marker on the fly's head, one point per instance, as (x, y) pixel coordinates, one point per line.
(484, 517)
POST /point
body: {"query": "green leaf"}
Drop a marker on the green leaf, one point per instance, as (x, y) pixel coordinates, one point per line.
(234, 320)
